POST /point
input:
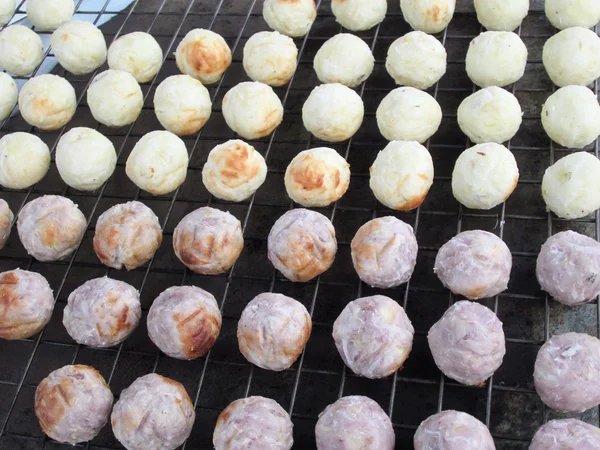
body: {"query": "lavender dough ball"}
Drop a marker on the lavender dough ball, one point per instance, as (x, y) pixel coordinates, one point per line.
(273, 331)
(374, 336)
(184, 322)
(453, 430)
(73, 403)
(384, 252)
(256, 423)
(51, 227)
(475, 264)
(566, 434)
(6, 218)
(567, 372)
(155, 412)
(568, 268)
(354, 422)
(102, 312)
(467, 343)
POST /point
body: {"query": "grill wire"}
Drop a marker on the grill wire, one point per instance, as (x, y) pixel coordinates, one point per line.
(508, 403)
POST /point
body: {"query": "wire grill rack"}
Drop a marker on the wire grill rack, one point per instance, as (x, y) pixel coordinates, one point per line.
(508, 403)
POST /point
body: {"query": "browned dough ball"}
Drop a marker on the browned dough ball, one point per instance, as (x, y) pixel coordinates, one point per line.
(6, 218)
(565, 434)
(154, 412)
(51, 227)
(184, 322)
(256, 423)
(127, 235)
(102, 312)
(26, 304)
(302, 244)
(453, 430)
(208, 241)
(273, 331)
(73, 403)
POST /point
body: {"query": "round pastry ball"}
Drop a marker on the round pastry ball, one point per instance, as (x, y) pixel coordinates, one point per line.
(501, 15)
(153, 412)
(137, 53)
(484, 176)
(6, 219)
(252, 109)
(416, 59)
(564, 434)
(253, 422)
(7, 10)
(73, 404)
(234, 171)
(430, 16)
(47, 102)
(158, 162)
(48, 15)
(302, 244)
(574, 13)
(127, 235)
(475, 264)
(467, 343)
(333, 112)
(359, 15)
(496, 58)
(273, 331)
(571, 186)
(203, 55)
(408, 114)
(568, 267)
(453, 430)
(292, 18)
(270, 57)
(51, 227)
(102, 312)
(184, 322)
(402, 175)
(354, 422)
(27, 303)
(24, 160)
(9, 94)
(208, 241)
(317, 177)
(115, 98)
(567, 372)
(21, 50)
(182, 105)
(384, 252)
(85, 158)
(79, 47)
(344, 58)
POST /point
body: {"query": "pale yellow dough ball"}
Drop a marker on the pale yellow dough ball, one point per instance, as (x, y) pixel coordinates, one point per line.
(501, 15)
(115, 98)
(47, 102)
(9, 94)
(48, 15)
(292, 18)
(137, 53)
(430, 16)
(21, 50)
(270, 57)
(573, 13)
(7, 10)
(24, 160)
(345, 59)
(79, 47)
(359, 15)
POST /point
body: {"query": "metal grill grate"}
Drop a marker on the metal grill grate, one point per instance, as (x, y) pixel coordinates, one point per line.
(508, 404)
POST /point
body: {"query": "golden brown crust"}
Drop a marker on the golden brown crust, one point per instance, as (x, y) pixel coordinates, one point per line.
(307, 258)
(198, 332)
(413, 203)
(238, 168)
(11, 301)
(437, 14)
(206, 60)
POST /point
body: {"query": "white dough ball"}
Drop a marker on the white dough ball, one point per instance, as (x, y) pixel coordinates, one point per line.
(79, 47)
(572, 57)
(252, 109)
(21, 50)
(571, 116)
(573, 13)
(359, 15)
(182, 104)
(204, 55)
(137, 53)
(484, 176)
(7, 10)
(9, 94)
(158, 162)
(270, 57)
(496, 58)
(416, 59)
(85, 158)
(345, 59)
(24, 160)
(430, 16)
(571, 186)
(115, 98)
(491, 114)
(402, 175)
(501, 15)
(292, 18)
(408, 114)
(47, 102)
(48, 15)
(333, 112)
